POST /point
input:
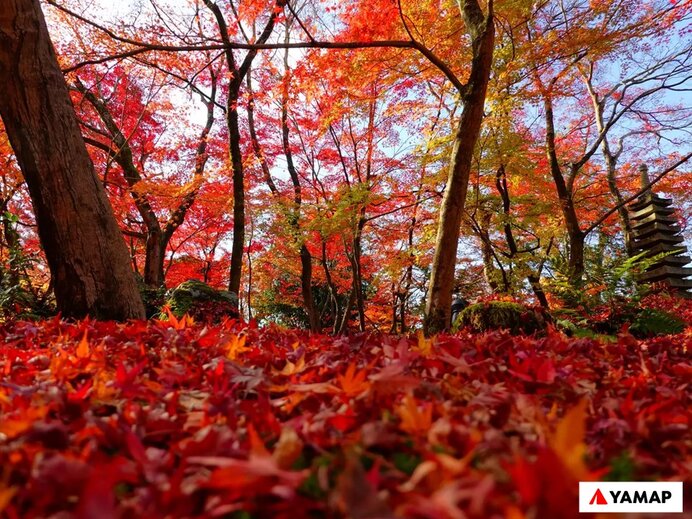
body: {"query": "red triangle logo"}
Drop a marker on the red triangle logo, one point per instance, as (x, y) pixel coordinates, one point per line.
(598, 498)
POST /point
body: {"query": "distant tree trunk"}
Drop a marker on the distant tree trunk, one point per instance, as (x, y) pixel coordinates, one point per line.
(482, 31)
(87, 256)
(294, 216)
(534, 279)
(535, 282)
(564, 192)
(395, 309)
(305, 256)
(611, 160)
(611, 165)
(332, 287)
(237, 74)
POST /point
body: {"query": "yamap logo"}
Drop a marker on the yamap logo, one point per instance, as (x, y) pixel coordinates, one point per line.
(631, 496)
(598, 498)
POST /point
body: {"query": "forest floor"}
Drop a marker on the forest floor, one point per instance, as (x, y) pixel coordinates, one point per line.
(176, 419)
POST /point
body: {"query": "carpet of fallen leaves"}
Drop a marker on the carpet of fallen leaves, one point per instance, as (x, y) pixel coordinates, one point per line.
(175, 419)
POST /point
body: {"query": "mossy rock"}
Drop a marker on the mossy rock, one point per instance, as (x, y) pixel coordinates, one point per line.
(501, 315)
(202, 302)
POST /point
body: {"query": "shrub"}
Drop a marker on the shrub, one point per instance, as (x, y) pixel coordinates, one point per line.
(650, 322)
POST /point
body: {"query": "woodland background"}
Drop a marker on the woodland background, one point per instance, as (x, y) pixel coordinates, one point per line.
(320, 171)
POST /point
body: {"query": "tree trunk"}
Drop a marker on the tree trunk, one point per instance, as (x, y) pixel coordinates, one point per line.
(153, 264)
(564, 193)
(84, 247)
(305, 256)
(238, 193)
(535, 282)
(237, 74)
(482, 32)
(332, 287)
(611, 164)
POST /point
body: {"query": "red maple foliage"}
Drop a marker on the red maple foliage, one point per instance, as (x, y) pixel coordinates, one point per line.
(170, 418)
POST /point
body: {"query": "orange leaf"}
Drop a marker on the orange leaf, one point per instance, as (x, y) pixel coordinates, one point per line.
(353, 383)
(83, 347)
(413, 419)
(257, 447)
(568, 439)
(236, 346)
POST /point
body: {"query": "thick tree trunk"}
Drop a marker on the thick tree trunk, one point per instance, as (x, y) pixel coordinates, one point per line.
(439, 303)
(84, 247)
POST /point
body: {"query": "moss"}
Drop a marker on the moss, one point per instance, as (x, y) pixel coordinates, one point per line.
(501, 315)
(201, 301)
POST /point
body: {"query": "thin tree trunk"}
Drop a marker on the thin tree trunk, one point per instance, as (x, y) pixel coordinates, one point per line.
(332, 287)
(535, 282)
(482, 31)
(611, 159)
(86, 253)
(305, 256)
(238, 73)
(575, 235)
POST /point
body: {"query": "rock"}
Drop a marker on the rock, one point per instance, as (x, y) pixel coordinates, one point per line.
(458, 305)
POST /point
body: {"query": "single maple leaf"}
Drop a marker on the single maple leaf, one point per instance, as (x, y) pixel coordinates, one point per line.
(352, 383)
(236, 346)
(568, 440)
(415, 419)
(83, 351)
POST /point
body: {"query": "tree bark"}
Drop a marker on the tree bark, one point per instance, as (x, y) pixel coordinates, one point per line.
(611, 160)
(305, 256)
(482, 31)
(87, 256)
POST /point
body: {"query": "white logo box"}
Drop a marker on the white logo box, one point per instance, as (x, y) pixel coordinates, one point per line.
(631, 497)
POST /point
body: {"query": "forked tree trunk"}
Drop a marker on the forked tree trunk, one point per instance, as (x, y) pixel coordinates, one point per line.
(482, 32)
(237, 73)
(84, 247)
